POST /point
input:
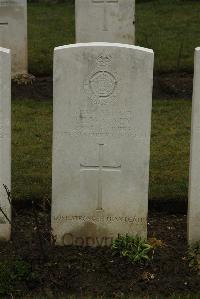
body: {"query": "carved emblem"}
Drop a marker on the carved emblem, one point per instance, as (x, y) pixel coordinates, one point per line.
(102, 83)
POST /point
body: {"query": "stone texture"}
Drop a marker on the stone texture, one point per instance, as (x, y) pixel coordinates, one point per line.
(5, 140)
(194, 182)
(105, 21)
(13, 32)
(101, 140)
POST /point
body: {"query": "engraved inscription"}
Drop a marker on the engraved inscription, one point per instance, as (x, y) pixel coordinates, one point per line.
(105, 6)
(103, 122)
(4, 3)
(101, 219)
(100, 168)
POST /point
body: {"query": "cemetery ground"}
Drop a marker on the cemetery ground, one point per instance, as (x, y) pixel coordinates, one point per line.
(30, 266)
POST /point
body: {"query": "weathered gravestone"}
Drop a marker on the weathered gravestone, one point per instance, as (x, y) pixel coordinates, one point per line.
(13, 32)
(105, 21)
(5, 142)
(194, 184)
(101, 137)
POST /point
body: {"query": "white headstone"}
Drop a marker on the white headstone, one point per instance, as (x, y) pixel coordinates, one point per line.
(194, 182)
(13, 32)
(5, 142)
(101, 140)
(105, 21)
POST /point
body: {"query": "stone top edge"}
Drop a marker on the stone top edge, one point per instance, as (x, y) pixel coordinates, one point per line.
(103, 44)
(4, 50)
(197, 49)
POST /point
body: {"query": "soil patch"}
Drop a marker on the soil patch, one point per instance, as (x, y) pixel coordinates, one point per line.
(41, 89)
(80, 271)
(173, 85)
(166, 86)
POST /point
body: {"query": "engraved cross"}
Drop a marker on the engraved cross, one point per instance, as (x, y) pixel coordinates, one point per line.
(3, 24)
(100, 168)
(105, 2)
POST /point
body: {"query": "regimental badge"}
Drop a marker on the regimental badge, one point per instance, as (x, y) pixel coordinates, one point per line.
(102, 84)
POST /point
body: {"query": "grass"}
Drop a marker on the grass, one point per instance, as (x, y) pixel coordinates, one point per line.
(49, 26)
(32, 140)
(170, 27)
(31, 149)
(170, 144)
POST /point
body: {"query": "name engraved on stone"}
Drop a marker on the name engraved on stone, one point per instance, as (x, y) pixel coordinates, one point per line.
(102, 123)
(105, 7)
(100, 168)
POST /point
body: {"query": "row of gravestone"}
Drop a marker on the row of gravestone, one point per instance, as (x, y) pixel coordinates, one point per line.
(101, 143)
(102, 117)
(96, 20)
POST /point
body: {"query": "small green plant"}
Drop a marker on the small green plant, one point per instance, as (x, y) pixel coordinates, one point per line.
(13, 276)
(134, 248)
(194, 256)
